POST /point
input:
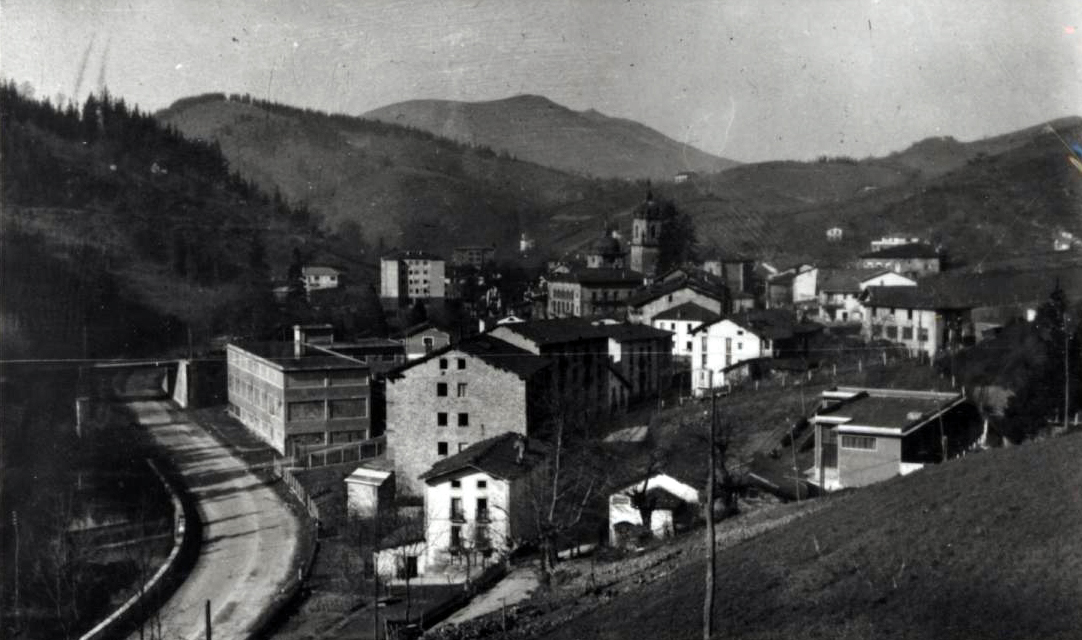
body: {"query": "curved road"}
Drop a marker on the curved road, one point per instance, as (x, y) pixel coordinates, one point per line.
(249, 534)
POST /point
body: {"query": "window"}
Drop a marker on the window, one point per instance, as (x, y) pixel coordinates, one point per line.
(456, 484)
(428, 343)
(462, 446)
(456, 537)
(739, 346)
(306, 379)
(463, 419)
(441, 389)
(441, 419)
(461, 391)
(688, 345)
(461, 363)
(892, 333)
(482, 484)
(922, 334)
(907, 333)
(860, 443)
(441, 448)
(306, 410)
(908, 314)
(457, 514)
(349, 408)
(443, 363)
(482, 509)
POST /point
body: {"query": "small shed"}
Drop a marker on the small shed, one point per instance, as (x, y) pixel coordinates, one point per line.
(674, 502)
(368, 490)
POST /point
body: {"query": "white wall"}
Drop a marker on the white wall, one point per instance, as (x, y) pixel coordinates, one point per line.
(805, 285)
(438, 521)
(727, 343)
(681, 334)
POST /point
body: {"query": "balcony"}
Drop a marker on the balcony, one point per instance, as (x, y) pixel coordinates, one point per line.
(483, 515)
(458, 516)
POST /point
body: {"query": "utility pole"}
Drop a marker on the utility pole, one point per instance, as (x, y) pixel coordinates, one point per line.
(708, 602)
(206, 614)
(15, 526)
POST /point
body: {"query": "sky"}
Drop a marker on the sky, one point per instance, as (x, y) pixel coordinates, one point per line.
(750, 80)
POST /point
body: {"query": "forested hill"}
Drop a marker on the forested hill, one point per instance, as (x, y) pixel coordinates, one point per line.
(119, 233)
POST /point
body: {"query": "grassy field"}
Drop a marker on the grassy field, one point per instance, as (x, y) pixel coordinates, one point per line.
(982, 547)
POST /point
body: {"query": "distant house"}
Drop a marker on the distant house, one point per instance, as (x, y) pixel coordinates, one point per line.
(864, 436)
(479, 502)
(457, 396)
(472, 256)
(674, 291)
(913, 259)
(674, 506)
(779, 290)
(920, 319)
(316, 277)
(736, 271)
(839, 291)
(408, 276)
(887, 242)
(718, 346)
(684, 176)
(422, 339)
(583, 292)
(298, 394)
(834, 234)
(681, 320)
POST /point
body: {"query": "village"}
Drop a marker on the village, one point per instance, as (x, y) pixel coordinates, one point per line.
(573, 418)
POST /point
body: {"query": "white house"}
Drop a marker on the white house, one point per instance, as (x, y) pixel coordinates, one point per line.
(316, 277)
(681, 321)
(722, 344)
(840, 289)
(478, 501)
(675, 503)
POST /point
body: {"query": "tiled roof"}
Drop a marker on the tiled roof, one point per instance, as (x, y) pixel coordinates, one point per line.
(906, 251)
(657, 290)
(498, 457)
(772, 324)
(632, 331)
(319, 271)
(492, 351)
(625, 277)
(688, 311)
(845, 280)
(554, 331)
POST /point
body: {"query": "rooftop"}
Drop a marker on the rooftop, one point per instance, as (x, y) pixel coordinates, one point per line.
(493, 351)
(411, 255)
(688, 311)
(971, 290)
(656, 290)
(908, 251)
(581, 275)
(498, 457)
(896, 409)
(845, 280)
(316, 270)
(554, 331)
(286, 357)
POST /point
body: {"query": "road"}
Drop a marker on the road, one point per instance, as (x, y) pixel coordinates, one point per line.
(249, 534)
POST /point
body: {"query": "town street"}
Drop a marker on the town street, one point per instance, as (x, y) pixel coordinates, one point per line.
(249, 534)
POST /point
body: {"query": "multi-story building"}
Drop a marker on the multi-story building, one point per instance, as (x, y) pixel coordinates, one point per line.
(579, 375)
(591, 292)
(681, 321)
(481, 502)
(913, 259)
(643, 357)
(291, 394)
(921, 320)
(678, 289)
(457, 396)
(645, 233)
(736, 271)
(477, 256)
(839, 290)
(408, 276)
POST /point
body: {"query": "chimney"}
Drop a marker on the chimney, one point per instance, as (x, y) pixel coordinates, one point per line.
(298, 341)
(520, 449)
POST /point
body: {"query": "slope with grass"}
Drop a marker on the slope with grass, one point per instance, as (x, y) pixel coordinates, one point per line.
(982, 547)
(537, 129)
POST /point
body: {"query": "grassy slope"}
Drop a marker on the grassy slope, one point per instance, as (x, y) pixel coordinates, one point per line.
(404, 188)
(982, 547)
(536, 129)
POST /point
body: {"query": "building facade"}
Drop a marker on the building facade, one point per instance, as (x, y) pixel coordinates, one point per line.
(681, 321)
(646, 304)
(408, 276)
(316, 277)
(441, 404)
(912, 259)
(591, 292)
(292, 395)
(646, 227)
(474, 256)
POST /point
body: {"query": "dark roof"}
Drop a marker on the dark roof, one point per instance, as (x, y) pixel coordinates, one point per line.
(688, 311)
(498, 457)
(632, 331)
(655, 291)
(285, 356)
(319, 270)
(418, 328)
(889, 408)
(906, 251)
(411, 255)
(845, 280)
(971, 290)
(554, 331)
(607, 245)
(772, 324)
(586, 276)
(492, 351)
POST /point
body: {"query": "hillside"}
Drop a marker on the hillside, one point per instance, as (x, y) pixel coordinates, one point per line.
(405, 188)
(986, 546)
(537, 129)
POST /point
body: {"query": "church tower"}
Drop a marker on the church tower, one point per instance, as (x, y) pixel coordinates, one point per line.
(645, 232)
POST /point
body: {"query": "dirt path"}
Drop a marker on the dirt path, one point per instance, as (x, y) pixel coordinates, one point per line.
(249, 534)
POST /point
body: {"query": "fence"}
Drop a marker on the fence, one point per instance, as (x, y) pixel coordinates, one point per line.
(342, 453)
(290, 480)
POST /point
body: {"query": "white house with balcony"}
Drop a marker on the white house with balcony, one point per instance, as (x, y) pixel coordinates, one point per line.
(477, 503)
(745, 336)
